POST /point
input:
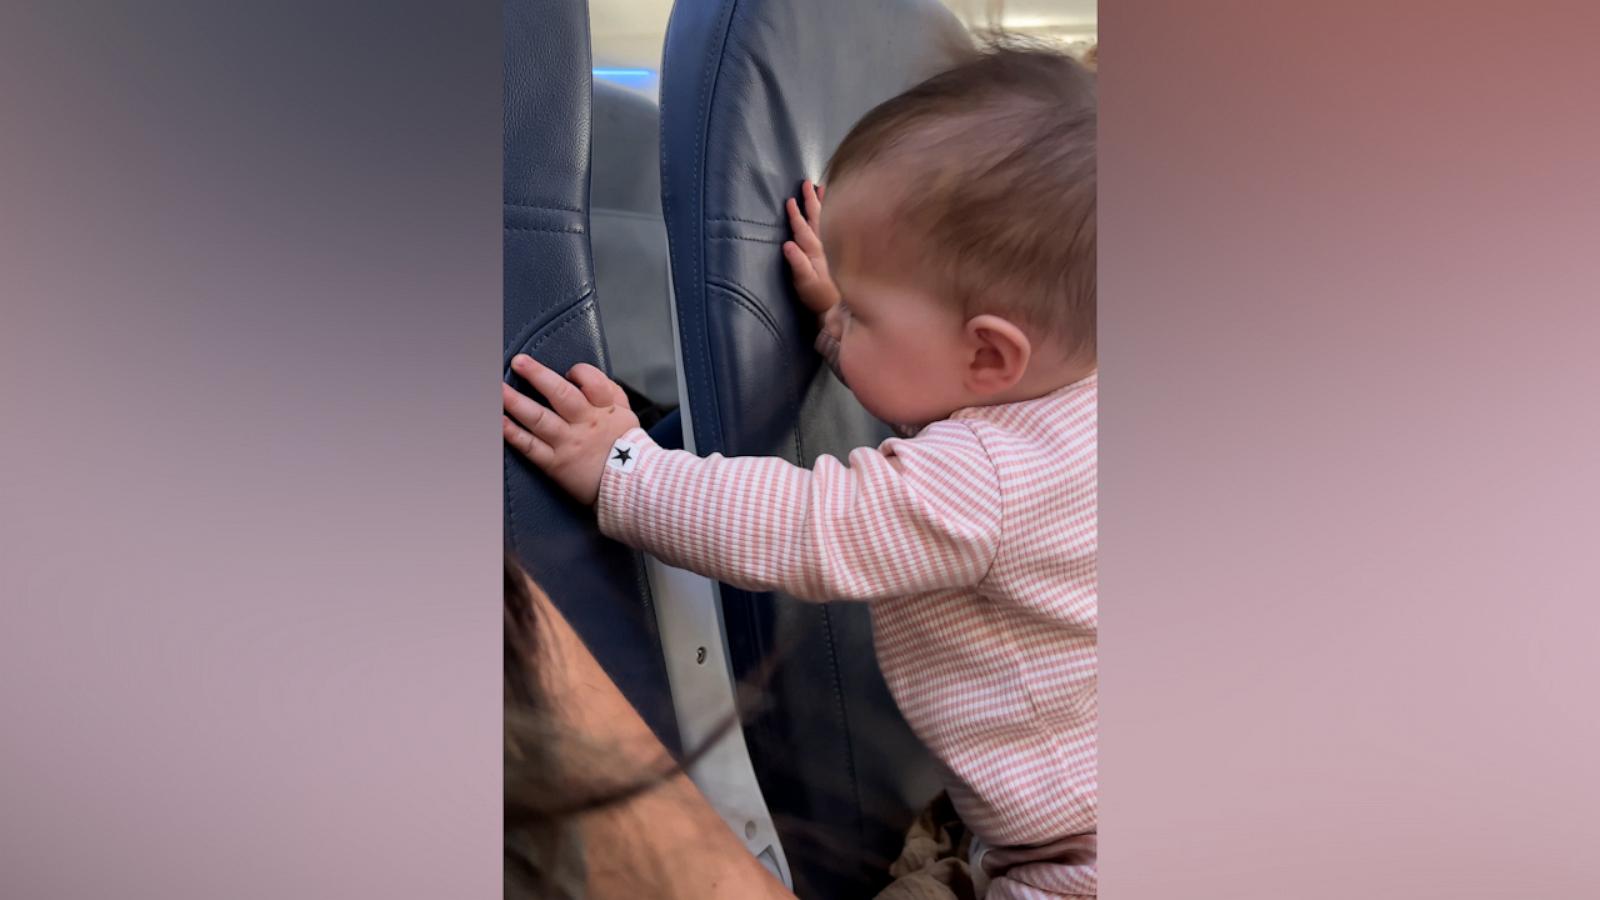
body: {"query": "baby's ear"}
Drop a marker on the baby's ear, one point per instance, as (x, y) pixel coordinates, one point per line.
(998, 356)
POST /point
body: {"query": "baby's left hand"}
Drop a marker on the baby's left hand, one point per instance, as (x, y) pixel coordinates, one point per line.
(571, 440)
(807, 261)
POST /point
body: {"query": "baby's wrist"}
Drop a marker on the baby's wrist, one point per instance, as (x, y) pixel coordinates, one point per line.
(617, 482)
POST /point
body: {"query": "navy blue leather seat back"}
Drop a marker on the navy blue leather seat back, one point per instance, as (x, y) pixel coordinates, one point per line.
(550, 314)
(755, 96)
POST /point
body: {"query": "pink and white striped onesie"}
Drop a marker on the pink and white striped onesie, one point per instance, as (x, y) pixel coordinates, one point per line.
(976, 544)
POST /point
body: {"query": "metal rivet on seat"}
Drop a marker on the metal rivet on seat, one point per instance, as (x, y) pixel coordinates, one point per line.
(700, 656)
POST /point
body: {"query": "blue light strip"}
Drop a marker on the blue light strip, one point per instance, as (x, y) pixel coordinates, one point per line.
(627, 77)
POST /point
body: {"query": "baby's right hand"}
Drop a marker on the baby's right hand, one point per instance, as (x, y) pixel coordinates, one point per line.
(805, 256)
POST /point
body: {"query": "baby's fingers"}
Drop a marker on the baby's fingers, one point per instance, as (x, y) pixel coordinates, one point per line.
(804, 235)
(566, 400)
(813, 195)
(526, 444)
(804, 271)
(597, 388)
(540, 422)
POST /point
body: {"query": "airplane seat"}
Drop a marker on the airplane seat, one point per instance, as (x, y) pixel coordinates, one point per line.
(550, 314)
(755, 96)
(629, 240)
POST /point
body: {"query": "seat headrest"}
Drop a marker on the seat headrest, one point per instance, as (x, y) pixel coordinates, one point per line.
(755, 96)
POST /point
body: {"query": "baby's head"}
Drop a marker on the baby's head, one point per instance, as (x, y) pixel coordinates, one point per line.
(960, 230)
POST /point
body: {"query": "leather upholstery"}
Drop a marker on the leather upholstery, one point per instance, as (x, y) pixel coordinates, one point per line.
(755, 96)
(550, 313)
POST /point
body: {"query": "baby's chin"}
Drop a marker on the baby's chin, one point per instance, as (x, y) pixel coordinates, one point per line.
(904, 415)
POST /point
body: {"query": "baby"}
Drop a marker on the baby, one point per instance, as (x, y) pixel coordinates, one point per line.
(954, 276)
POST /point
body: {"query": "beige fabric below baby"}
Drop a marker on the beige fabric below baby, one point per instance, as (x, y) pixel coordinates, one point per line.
(934, 862)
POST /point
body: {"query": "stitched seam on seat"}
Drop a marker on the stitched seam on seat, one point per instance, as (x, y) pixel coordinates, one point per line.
(746, 221)
(535, 326)
(746, 301)
(555, 328)
(571, 229)
(740, 237)
(624, 214)
(749, 303)
(511, 503)
(549, 206)
(742, 299)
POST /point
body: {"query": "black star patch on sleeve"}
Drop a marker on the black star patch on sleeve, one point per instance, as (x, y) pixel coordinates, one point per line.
(624, 456)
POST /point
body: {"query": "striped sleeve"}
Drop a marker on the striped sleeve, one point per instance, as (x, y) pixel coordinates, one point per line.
(908, 517)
